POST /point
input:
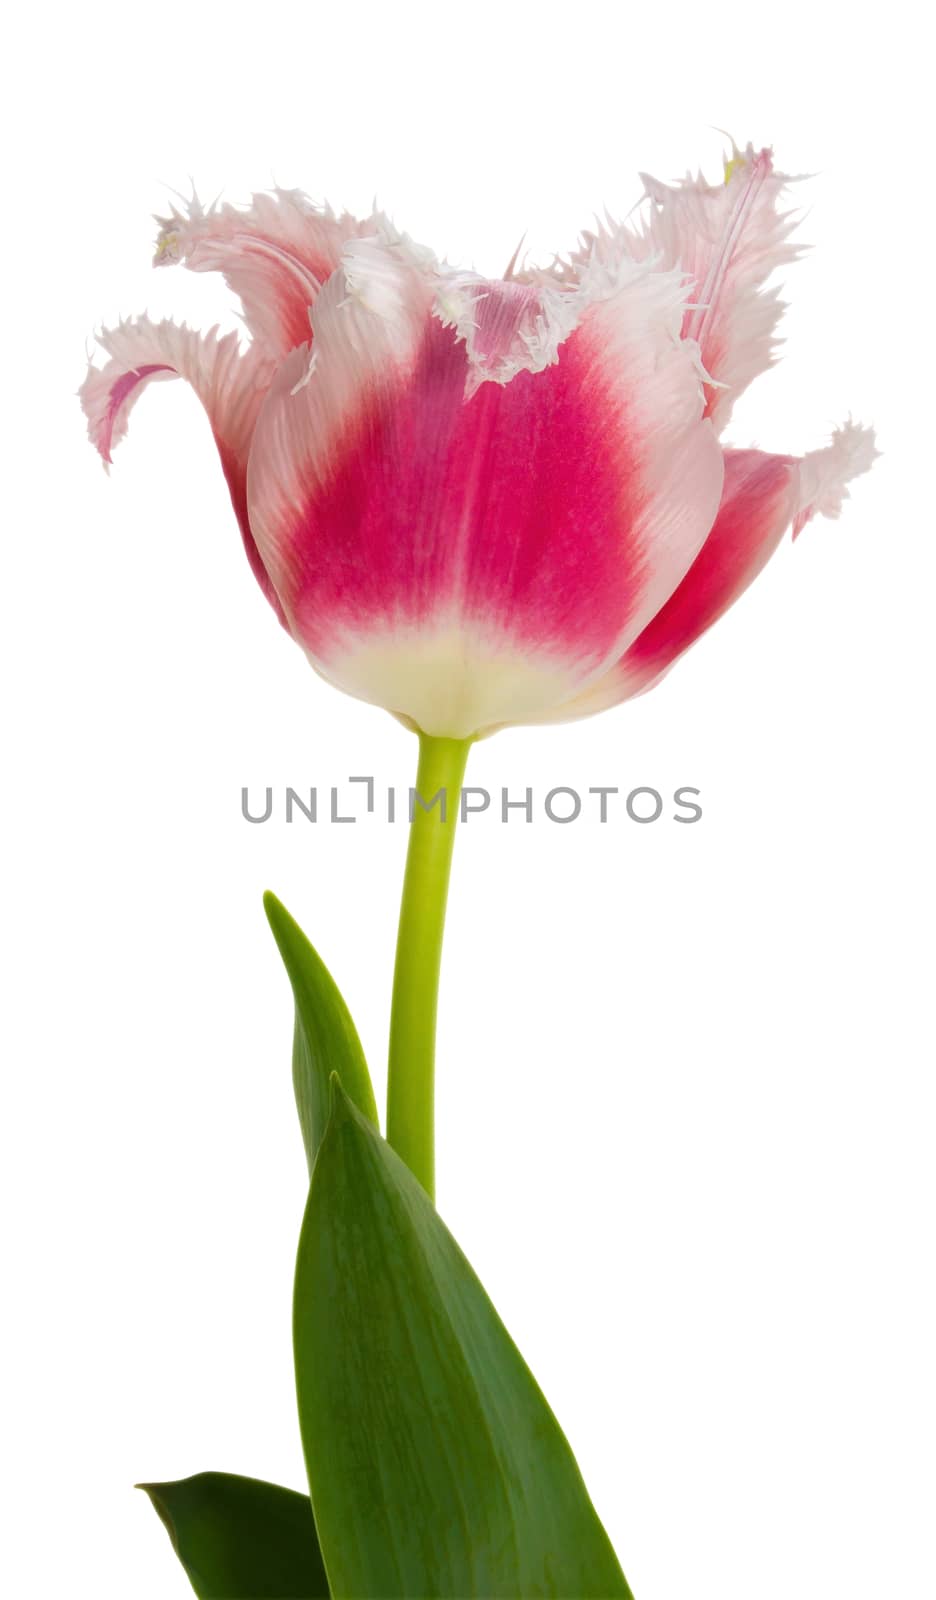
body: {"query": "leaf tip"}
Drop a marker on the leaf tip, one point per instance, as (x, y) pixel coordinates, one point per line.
(161, 1508)
(273, 907)
(282, 926)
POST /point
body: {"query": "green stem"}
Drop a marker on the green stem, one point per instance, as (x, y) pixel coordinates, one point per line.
(410, 1085)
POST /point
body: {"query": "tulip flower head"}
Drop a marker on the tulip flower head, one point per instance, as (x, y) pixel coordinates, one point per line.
(475, 501)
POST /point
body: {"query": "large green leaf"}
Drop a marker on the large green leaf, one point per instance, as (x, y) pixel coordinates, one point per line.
(435, 1465)
(325, 1038)
(240, 1539)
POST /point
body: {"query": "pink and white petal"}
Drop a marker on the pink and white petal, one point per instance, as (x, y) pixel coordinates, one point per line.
(763, 495)
(231, 386)
(729, 238)
(466, 521)
(507, 327)
(275, 254)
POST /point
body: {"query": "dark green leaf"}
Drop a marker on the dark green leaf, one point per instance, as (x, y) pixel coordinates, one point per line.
(436, 1467)
(240, 1539)
(325, 1038)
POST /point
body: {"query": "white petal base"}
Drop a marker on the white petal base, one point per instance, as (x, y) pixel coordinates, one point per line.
(451, 682)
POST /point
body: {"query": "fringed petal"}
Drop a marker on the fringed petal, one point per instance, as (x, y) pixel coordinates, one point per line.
(506, 327)
(231, 386)
(472, 497)
(727, 239)
(763, 494)
(825, 474)
(275, 255)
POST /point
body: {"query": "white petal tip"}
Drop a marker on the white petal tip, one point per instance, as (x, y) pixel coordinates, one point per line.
(825, 474)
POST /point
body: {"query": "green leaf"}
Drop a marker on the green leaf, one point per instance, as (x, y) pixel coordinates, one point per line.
(325, 1038)
(436, 1467)
(240, 1539)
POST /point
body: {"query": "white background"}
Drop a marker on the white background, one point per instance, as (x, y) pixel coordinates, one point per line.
(686, 1101)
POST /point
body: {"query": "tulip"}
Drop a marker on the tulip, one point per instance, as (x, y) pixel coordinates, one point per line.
(479, 502)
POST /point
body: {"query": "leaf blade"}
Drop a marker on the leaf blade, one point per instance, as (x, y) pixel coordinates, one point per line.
(435, 1465)
(240, 1538)
(325, 1038)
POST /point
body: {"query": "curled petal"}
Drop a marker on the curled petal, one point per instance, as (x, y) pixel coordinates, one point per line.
(230, 384)
(478, 493)
(762, 495)
(275, 255)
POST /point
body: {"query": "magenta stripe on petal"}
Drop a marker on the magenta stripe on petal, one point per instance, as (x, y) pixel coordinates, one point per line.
(510, 509)
(120, 391)
(755, 511)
